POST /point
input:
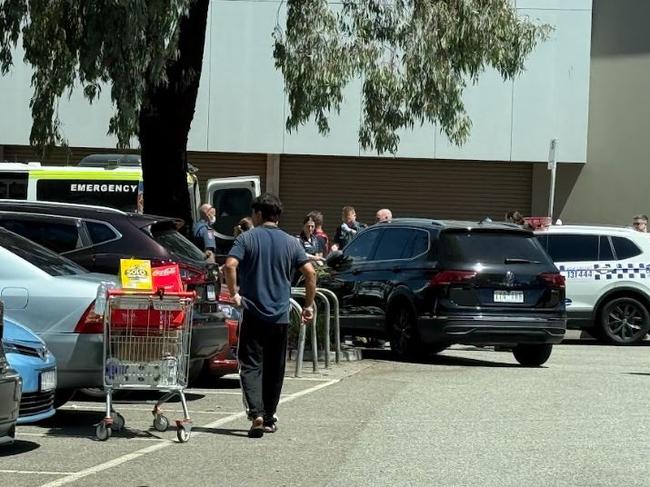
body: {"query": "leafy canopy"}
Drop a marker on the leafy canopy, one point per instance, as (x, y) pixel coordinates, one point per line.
(415, 57)
(126, 43)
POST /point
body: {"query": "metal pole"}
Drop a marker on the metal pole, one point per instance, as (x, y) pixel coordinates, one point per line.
(314, 339)
(337, 322)
(314, 336)
(326, 302)
(552, 165)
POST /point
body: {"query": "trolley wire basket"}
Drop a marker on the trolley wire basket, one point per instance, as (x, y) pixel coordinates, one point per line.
(147, 347)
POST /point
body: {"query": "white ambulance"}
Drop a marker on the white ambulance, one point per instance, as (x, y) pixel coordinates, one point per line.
(115, 180)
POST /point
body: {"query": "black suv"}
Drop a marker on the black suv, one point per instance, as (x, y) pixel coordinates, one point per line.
(98, 237)
(426, 284)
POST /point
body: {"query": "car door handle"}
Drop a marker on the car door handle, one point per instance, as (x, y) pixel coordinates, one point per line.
(356, 272)
(397, 269)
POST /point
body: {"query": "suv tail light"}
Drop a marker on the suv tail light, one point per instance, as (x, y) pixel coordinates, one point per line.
(445, 278)
(90, 322)
(233, 332)
(192, 275)
(553, 279)
(224, 295)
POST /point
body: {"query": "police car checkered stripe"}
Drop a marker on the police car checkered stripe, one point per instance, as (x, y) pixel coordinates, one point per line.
(619, 271)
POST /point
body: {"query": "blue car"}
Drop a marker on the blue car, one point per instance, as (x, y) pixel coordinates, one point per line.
(27, 354)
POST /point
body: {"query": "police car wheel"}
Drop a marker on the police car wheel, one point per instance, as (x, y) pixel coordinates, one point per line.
(624, 321)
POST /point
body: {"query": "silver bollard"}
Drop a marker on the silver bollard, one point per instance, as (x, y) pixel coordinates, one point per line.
(326, 305)
(337, 321)
(314, 336)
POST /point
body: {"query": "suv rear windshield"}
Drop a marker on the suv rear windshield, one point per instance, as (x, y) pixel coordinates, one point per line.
(44, 259)
(490, 247)
(174, 242)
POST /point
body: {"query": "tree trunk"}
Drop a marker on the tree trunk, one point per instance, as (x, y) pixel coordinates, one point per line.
(165, 119)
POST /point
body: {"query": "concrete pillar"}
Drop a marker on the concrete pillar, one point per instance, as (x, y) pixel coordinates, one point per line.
(273, 174)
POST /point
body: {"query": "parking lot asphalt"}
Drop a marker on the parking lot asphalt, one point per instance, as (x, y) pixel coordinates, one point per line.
(63, 449)
(467, 417)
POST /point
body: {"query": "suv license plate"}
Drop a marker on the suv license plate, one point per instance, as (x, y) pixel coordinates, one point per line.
(508, 296)
(48, 380)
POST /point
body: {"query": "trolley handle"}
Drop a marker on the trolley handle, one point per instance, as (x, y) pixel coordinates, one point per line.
(161, 293)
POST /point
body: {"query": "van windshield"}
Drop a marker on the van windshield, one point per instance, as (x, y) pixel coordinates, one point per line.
(119, 194)
(46, 260)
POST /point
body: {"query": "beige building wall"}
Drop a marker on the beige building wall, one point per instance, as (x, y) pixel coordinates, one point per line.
(614, 184)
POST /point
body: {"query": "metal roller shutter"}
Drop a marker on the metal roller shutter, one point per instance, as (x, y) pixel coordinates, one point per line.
(418, 188)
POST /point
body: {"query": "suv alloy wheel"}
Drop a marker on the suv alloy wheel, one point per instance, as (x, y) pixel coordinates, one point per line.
(404, 337)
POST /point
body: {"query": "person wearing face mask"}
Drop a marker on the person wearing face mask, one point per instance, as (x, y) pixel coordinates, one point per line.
(203, 232)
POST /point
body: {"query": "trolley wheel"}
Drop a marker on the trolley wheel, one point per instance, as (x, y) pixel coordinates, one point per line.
(160, 423)
(102, 432)
(183, 433)
(118, 422)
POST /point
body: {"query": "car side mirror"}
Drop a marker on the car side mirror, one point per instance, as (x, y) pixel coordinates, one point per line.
(335, 258)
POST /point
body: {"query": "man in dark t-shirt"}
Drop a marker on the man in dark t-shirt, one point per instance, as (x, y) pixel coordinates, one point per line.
(265, 259)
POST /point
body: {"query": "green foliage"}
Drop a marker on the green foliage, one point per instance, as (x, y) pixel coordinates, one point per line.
(85, 43)
(415, 57)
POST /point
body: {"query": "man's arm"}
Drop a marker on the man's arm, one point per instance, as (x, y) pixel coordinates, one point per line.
(230, 272)
(309, 274)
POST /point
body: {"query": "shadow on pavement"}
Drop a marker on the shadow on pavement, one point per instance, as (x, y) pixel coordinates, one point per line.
(445, 360)
(72, 423)
(230, 382)
(223, 431)
(594, 343)
(18, 447)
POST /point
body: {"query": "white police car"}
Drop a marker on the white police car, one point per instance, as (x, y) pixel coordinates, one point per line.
(607, 271)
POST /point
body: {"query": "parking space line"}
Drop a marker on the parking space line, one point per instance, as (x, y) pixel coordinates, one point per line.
(159, 446)
(35, 472)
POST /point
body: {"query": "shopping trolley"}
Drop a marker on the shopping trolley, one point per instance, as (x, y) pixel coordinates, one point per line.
(146, 347)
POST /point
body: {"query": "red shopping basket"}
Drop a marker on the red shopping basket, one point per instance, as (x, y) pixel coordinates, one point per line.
(147, 317)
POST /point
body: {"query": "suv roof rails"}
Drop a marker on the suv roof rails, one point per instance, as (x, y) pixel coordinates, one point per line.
(111, 161)
(57, 204)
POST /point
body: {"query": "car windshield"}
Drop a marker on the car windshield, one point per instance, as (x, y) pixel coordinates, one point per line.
(38, 256)
(492, 248)
(175, 243)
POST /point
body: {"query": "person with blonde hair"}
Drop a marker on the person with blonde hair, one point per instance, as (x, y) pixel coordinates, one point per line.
(348, 229)
(244, 225)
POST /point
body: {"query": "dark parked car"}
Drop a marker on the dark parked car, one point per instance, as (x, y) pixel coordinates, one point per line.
(426, 284)
(10, 394)
(98, 237)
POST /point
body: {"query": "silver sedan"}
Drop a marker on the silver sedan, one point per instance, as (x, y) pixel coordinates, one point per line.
(55, 298)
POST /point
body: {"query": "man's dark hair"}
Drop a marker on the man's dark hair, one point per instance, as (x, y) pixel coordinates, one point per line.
(640, 217)
(269, 205)
(317, 216)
